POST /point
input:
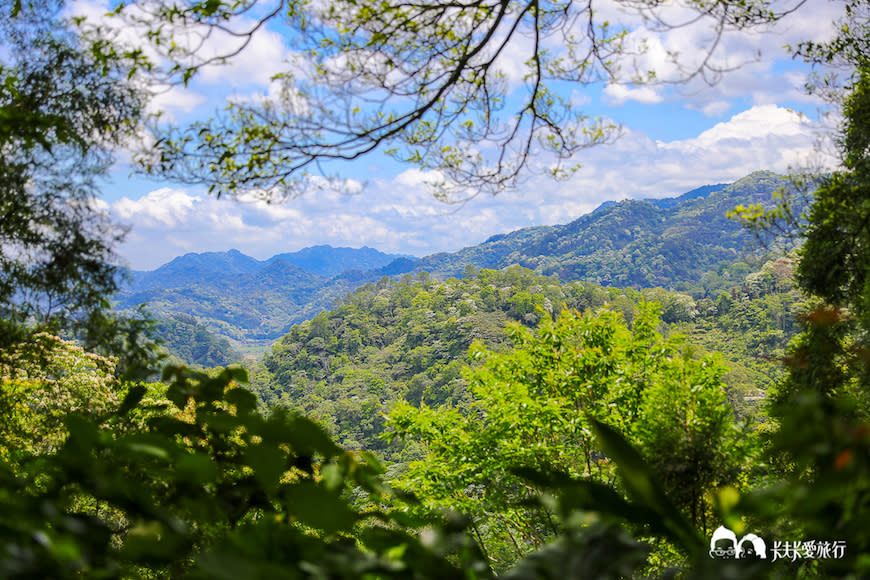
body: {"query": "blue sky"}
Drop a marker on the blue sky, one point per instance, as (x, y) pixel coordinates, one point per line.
(674, 138)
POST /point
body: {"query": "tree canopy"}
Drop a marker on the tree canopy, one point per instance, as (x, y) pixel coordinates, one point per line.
(61, 116)
(470, 90)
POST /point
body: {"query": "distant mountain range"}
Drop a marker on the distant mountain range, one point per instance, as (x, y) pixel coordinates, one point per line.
(244, 299)
(214, 267)
(637, 243)
(668, 242)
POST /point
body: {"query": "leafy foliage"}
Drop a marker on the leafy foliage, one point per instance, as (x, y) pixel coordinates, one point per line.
(44, 379)
(424, 82)
(211, 489)
(60, 116)
(408, 340)
(823, 408)
(536, 406)
(405, 340)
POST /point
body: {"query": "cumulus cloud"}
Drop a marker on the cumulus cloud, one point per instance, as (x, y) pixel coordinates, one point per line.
(756, 123)
(256, 64)
(167, 101)
(619, 94)
(715, 108)
(396, 213)
(254, 61)
(762, 137)
(164, 207)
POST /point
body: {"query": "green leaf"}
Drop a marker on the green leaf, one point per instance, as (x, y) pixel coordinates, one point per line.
(316, 506)
(268, 463)
(244, 400)
(196, 468)
(304, 435)
(132, 399)
(150, 445)
(643, 487)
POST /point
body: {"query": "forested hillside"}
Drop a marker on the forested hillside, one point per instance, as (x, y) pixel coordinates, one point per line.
(408, 339)
(188, 342)
(638, 243)
(249, 301)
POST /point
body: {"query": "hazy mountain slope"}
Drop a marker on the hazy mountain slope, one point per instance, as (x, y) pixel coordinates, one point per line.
(638, 243)
(210, 267)
(242, 298)
(329, 262)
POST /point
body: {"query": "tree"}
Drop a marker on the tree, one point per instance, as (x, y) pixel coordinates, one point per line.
(534, 408)
(823, 408)
(63, 112)
(422, 81)
(191, 481)
(41, 382)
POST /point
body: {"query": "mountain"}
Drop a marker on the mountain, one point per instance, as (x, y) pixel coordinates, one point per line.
(408, 339)
(219, 267)
(328, 261)
(244, 299)
(702, 191)
(639, 243)
(196, 269)
(676, 243)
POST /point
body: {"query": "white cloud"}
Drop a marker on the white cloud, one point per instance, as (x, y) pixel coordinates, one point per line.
(763, 137)
(160, 208)
(757, 123)
(265, 56)
(167, 101)
(619, 94)
(746, 58)
(416, 177)
(715, 108)
(398, 215)
(255, 63)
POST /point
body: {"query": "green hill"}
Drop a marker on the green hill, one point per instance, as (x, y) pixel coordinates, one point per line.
(193, 344)
(248, 301)
(408, 339)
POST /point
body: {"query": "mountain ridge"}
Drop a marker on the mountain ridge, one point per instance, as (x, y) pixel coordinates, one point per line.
(668, 242)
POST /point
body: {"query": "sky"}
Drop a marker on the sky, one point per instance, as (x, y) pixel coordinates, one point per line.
(674, 138)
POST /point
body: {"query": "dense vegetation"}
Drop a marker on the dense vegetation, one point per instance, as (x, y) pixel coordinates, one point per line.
(408, 339)
(189, 342)
(534, 406)
(589, 440)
